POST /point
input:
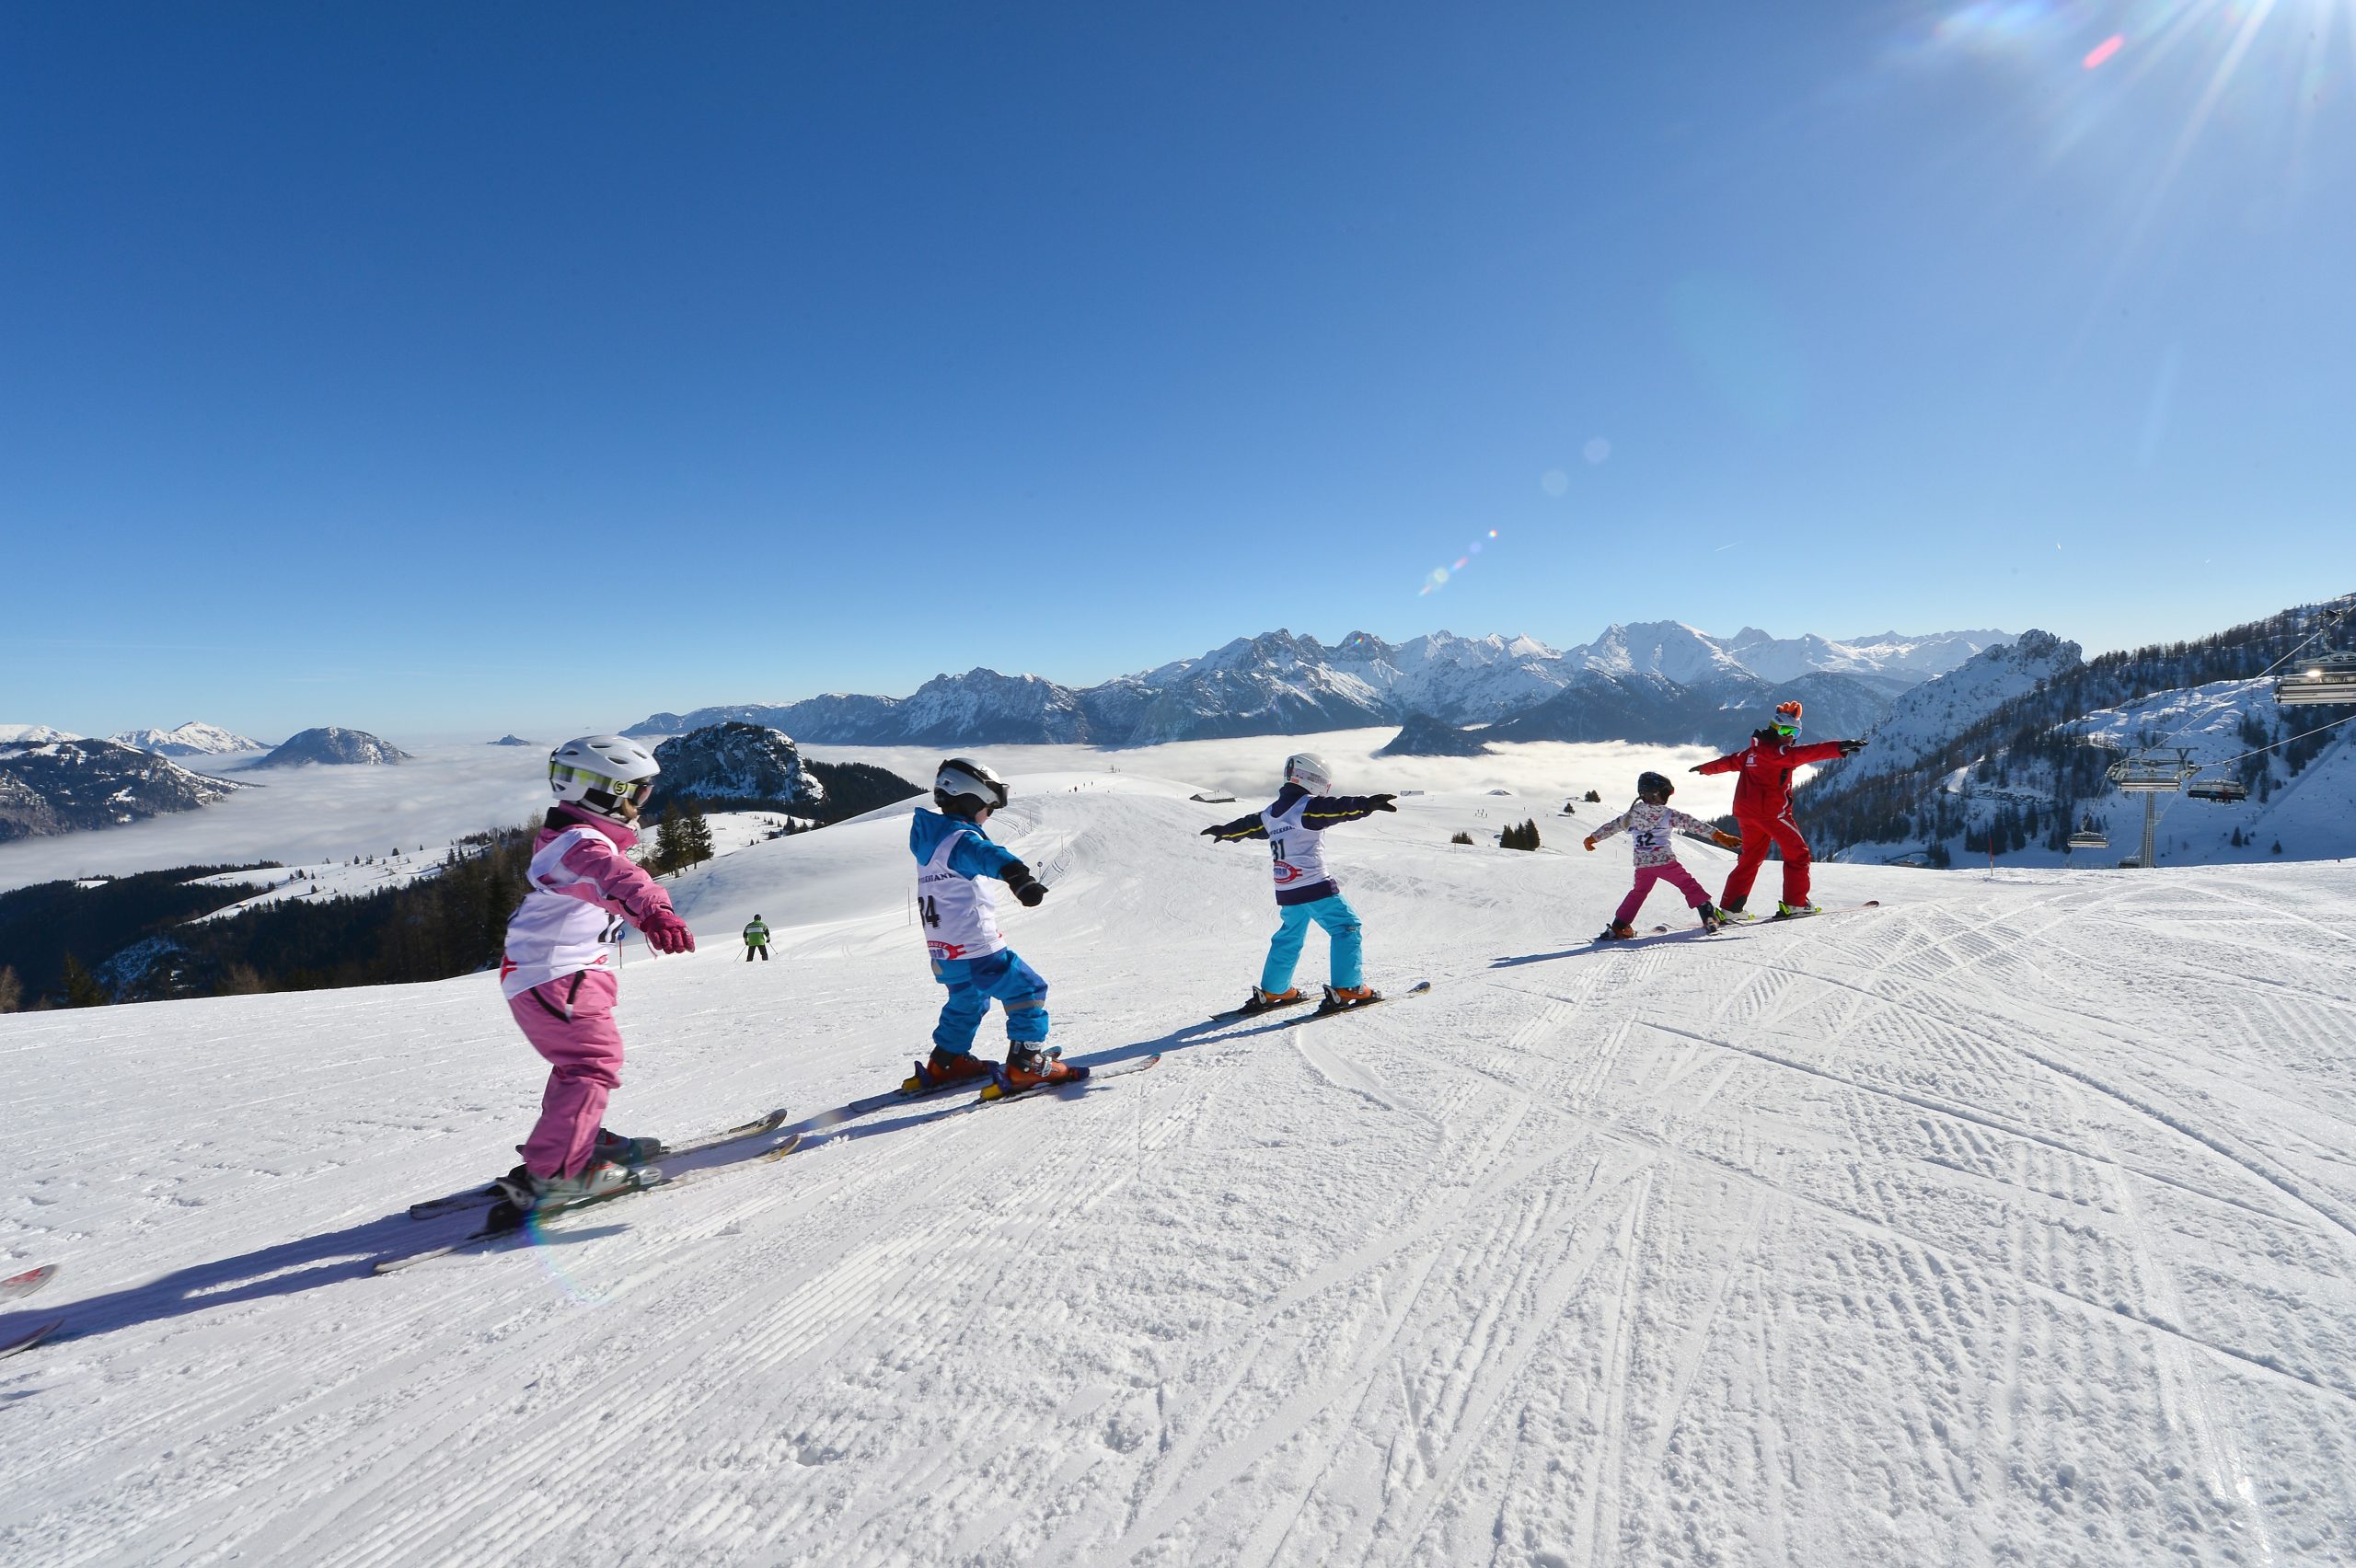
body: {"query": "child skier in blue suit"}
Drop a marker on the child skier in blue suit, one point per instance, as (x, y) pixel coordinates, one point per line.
(960, 935)
(1294, 825)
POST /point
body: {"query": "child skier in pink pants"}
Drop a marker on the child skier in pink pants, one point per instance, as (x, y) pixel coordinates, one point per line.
(560, 969)
(1652, 827)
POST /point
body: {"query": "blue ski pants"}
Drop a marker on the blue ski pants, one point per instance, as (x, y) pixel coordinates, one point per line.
(972, 983)
(1341, 923)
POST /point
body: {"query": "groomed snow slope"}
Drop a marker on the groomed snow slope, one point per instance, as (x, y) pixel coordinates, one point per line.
(2011, 1222)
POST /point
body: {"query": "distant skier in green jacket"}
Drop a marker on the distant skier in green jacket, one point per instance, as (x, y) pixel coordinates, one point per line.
(757, 941)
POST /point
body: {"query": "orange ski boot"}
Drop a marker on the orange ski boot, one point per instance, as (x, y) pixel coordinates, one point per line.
(945, 1070)
(1262, 1001)
(1342, 999)
(1027, 1067)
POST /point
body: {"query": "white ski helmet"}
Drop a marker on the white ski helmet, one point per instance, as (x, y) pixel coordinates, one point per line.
(1310, 771)
(598, 773)
(964, 787)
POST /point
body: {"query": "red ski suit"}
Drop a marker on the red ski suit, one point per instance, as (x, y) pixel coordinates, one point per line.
(1762, 804)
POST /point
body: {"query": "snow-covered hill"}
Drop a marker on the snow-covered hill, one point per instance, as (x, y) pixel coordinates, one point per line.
(194, 738)
(334, 746)
(736, 762)
(33, 735)
(1927, 717)
(2310, 812)
(2006, 1223)
(57, 787)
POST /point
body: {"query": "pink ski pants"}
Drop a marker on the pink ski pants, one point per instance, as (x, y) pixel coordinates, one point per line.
(1674, 875)
(570, 1022)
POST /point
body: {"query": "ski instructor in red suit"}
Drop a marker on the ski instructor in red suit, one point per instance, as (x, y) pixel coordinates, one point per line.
(1763, 802)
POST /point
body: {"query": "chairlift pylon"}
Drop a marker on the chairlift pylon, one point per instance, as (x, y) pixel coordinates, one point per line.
(2151, 775)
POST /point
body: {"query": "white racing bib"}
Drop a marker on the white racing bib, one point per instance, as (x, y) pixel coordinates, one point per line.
(1300, 850)
(958, 914)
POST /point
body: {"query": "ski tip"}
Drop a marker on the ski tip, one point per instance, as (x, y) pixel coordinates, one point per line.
(25, 1284)
(31, 1336)
(1417, 989)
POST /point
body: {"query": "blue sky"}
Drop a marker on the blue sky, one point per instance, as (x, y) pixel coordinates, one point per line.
(437, 367)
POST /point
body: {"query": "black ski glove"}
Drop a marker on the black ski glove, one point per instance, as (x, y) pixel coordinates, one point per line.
(1382, 802)
(1026, 888)
(1851, 748)
(1211, 832)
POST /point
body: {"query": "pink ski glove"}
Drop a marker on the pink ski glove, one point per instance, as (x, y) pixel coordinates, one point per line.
(665, 932)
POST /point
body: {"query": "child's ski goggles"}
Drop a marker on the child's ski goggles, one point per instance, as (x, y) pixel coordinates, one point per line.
(620, 788)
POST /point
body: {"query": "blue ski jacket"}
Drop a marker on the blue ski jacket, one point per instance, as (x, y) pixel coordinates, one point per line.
(974, 855)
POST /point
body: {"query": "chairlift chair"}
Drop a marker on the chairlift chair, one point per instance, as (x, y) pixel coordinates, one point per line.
(2331, 678)
(2089, 837)
(2225, 791)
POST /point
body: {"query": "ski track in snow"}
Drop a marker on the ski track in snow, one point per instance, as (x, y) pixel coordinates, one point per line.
(2011, 1222)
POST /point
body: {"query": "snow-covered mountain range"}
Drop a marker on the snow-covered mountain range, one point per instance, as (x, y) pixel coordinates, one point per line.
(35, 734)
(59, 786)
(1654, 681)
(194, 738)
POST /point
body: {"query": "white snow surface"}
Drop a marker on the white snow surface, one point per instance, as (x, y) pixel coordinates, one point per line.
(2010, 1222)
(35, 734)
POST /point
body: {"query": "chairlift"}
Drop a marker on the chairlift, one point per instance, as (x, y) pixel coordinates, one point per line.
(2223, 790)
(2147, 776)
(2331, 678)
(2089, 837)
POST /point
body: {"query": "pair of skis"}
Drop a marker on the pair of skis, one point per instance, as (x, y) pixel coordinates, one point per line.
(488, 1195)
(22, 1285)
(506, 1221)
(1325, 1008)
(1729, 923)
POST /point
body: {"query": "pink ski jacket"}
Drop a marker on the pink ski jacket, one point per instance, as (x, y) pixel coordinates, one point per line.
(583, 890)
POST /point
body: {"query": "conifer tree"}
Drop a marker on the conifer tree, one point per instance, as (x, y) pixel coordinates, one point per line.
(12, 990)
(695, 834)
(82, 988)
(666, 858)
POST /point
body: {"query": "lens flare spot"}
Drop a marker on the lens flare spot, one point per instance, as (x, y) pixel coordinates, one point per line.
(2103, 51)
(1493, 533)
(1554, 481)
(1597, 450)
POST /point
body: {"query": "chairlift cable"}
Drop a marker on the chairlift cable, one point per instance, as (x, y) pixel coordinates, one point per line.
(2285, 741)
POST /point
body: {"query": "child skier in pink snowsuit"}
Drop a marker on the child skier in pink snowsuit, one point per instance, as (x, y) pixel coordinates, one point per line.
(1652, 827)
(560, 970)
